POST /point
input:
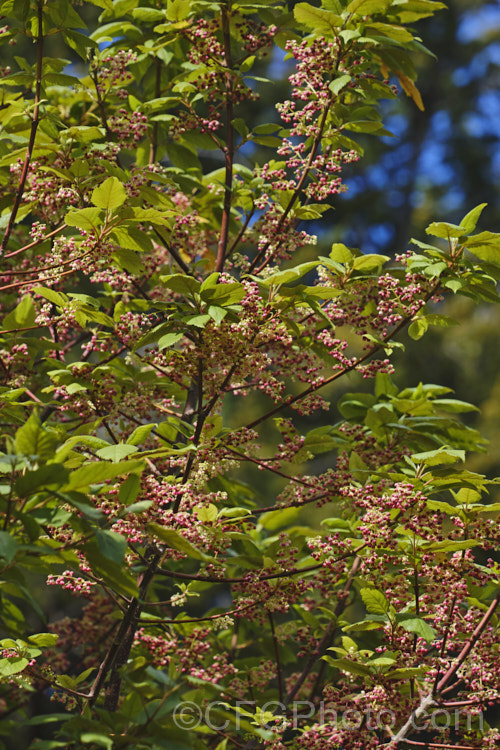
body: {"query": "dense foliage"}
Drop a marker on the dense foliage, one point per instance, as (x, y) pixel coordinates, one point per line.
(168, 329)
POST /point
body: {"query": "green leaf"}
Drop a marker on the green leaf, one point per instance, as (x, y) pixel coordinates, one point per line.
(111, 545)
(129, 489)
(109, 195)
(140, 434)
(8, 547)
(32, 439)
(290, 274)
(100, 471)
(368, 7)
(339, 83)
(454, 405)
(181, 283)
(346, 665)
(418, 328)
(168, 340)
(364, 625)
(128, 260)
(176, 541)
(375, 601)
(12, 665)
(178, 10)
(467, 496)
(341, 254)
(52, 296)
(470, 220)
(439, 456)
(84, 218)
(370, 262)
(50, 475)
(139, 507)
(148, 15)
(405, 673)
(485, 246)
(206, 513)
(44, 640)
(115, 453)
(113, 574)
(420, 627)
(442, 507)
(445, 230)
(97, 738)
(317, 19)
(22, 316)
(223, 294)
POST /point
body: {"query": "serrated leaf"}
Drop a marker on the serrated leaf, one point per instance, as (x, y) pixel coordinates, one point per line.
(140, 434)
(84, 218)
(100, 471)
(444, 230)
(289, 275)
(178, 10)
(44, 640)
(363, 625)
(339, 83)
(405, 673)
(181, 283)
(371, 262)
(485, 246)
(317, 19)
(375, 601)
(340, 253)
(22, 316)
(206, 513)
(420, 627)
(470, 220)
(109, 195)
(115, 453)
(34, 439)
(52, 296)
(439, 456)
(168, 340)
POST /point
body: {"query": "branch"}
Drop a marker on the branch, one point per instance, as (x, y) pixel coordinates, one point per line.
(430, 700)
(229, 147)
(34, 127)
(37, 242)
(327, 636)
(279, 672)
(468, 646)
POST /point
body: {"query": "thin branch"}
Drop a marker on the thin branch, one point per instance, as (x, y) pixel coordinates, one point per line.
(175, 255)
(325, 640)
(34, 127)
(478, 631)
(36, 242)
(279, 671)
(229, 147)
(154, 139)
